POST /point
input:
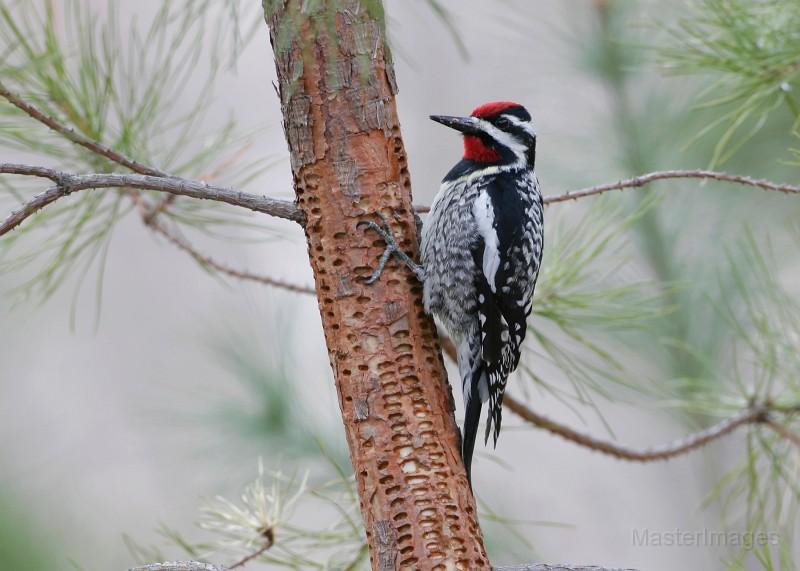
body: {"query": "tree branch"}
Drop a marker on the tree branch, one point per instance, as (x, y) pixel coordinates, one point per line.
(755, 414)
(783, 431)
(645, 179)
(68, 183)
(268, 543)
(287, 210)
(206, 260)
(148, 217)
(752, 415)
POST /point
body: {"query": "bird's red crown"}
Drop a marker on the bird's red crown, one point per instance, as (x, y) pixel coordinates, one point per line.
(493, 108)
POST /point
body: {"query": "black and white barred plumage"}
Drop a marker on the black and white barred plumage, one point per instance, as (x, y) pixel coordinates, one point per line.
(481, 249)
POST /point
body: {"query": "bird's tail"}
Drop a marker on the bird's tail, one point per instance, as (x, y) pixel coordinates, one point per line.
(472, 418)
(475, 390)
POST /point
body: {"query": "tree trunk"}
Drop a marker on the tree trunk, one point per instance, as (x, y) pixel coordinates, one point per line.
(337, 92)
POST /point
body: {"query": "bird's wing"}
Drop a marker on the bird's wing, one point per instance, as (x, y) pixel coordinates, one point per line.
(507, 268)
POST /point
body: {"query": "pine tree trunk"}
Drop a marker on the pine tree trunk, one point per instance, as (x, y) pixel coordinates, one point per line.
(337, 91)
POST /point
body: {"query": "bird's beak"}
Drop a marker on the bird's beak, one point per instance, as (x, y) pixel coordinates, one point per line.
(466, 125)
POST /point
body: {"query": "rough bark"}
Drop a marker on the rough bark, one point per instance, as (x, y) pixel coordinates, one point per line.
(337, 93)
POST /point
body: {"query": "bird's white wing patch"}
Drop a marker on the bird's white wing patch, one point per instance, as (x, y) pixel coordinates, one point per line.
(484, 217)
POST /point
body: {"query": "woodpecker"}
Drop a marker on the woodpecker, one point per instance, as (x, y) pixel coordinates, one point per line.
(480, 254)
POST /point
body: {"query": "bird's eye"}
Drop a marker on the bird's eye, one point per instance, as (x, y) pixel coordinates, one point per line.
(503, 122)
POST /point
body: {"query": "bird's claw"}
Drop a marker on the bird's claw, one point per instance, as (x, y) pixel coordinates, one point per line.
(376, 274)
(384, 230)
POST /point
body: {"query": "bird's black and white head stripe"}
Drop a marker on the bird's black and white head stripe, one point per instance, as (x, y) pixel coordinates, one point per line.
(499, 134)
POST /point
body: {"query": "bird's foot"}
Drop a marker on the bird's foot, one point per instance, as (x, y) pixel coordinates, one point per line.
(392, 249)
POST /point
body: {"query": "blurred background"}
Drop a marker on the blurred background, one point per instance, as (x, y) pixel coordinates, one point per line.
(135, 382)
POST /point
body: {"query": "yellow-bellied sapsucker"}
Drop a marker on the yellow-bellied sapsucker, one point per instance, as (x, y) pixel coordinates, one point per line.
(481, 249)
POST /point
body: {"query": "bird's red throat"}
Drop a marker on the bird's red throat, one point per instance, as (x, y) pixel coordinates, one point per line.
(476, 150)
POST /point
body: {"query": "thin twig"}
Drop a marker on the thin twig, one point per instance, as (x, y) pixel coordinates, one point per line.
(268, 543)
(692, 442)
(783, 431)
(787, 409)
(34, 171)
(205, 260)
(149, 220)
(78, 139)
(160, 207)
(69, 183)
(753, 415)
(639, 181)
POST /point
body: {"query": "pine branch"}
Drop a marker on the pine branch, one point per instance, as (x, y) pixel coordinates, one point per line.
(137, 167)
(72, 135)
(149, 220)
(67, 183)
(754, 414)
(202, 566)
(268, 543)
(645, 179)
(783, 431)
(206, 260)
